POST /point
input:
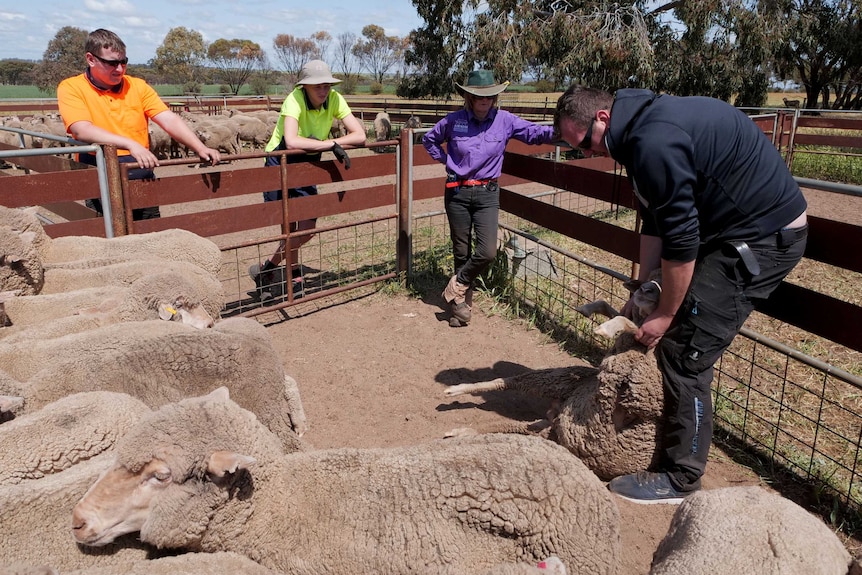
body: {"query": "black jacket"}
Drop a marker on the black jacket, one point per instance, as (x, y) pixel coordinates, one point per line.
(703, 171)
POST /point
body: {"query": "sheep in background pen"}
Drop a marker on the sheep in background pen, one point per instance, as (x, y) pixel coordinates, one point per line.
(464, 505)
(610, 417)
(382, 127)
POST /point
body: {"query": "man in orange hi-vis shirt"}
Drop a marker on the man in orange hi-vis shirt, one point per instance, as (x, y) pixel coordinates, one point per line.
(105, 106)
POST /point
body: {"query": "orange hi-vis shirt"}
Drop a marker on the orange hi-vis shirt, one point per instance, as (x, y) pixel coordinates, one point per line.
(126, 112)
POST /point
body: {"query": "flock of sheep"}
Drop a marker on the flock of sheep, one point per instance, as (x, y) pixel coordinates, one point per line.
(230, 131)
(142, 434)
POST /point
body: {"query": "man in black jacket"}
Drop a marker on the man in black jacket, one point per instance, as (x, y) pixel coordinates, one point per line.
(724, 220)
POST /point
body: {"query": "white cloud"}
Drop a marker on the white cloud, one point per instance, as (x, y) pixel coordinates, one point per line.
(113, 7)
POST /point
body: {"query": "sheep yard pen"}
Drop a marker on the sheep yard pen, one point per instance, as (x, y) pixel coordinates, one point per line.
(787, 390)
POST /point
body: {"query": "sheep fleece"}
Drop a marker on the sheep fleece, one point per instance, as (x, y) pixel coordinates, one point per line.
(747, 530)
(464, 504)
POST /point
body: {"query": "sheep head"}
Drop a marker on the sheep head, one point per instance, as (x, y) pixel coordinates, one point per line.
(172, 471)
(191, 313)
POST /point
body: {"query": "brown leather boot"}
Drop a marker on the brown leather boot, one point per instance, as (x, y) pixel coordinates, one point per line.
(457, 295)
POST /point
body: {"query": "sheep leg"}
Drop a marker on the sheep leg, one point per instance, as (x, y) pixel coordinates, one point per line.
(541, 427)
(598, 306)
(616, 326)
(298, 421)
(473, 388)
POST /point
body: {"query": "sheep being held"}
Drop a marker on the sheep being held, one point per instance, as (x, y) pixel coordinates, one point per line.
(202, 474)
(610, 416)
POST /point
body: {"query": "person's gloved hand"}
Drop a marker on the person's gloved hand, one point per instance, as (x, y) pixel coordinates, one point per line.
(341, 155)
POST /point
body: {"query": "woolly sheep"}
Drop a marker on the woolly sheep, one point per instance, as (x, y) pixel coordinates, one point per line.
(249, 129)
(747, 530)
(35, 525)
(221, 138)
(193, 300)
(216, 481)
(338, 129)
(159, 362)
(122, 274)
(610, 416)
(222, 563)
(382, 126)
(70, 430)
(21, 269)
(88, 251)
(413, 122)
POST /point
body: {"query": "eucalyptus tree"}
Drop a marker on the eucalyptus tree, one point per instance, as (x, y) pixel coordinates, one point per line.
(181, 56)
(821, 47)
(235, 61)
(436, 48)
(64, 57)
(377, 52)
(293, 52)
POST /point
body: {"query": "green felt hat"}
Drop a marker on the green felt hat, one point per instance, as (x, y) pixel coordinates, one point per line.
(481, 83)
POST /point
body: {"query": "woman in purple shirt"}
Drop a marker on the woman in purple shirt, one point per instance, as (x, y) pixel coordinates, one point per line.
(475, 139)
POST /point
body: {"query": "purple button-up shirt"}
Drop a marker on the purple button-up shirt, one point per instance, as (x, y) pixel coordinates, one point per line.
(474, 149)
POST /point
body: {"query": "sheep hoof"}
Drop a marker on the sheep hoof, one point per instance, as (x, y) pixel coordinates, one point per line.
(460, 389)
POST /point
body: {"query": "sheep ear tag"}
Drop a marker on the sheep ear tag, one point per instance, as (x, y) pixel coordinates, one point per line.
(166, 312)
(223, 462)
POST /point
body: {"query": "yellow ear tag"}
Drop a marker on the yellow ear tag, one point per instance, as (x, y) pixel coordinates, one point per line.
(171, 310)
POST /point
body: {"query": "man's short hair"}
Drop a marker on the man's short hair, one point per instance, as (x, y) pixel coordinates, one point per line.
(580, 104)
(101, 38)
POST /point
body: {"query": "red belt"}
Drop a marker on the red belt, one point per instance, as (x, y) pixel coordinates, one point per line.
(460, 183)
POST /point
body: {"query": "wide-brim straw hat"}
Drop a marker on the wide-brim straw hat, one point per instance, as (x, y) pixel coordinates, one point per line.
(481, 83)
(316, 72)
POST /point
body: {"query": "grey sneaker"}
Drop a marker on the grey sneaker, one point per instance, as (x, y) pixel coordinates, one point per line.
(647, 488)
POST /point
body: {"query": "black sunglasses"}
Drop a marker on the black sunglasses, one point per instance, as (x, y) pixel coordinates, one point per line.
(110, 63)
(587, 142)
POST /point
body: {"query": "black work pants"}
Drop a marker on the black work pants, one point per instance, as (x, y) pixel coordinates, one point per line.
(721, 297)
(473, 213)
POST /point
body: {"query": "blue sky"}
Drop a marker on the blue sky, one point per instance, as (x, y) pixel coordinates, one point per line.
(26, 26)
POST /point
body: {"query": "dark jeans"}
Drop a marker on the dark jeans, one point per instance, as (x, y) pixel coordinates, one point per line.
(473, 213)
(721, 297)
(134, 174)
